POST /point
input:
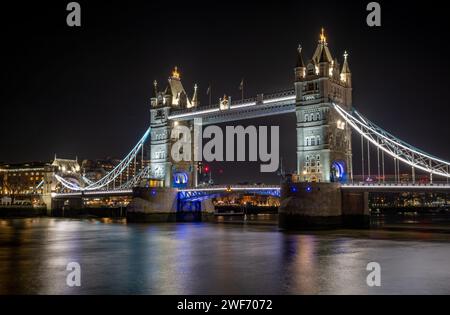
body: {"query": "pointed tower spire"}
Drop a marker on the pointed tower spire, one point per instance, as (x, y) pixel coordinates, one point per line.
(346, 75)
(195, 96)
(175, 73)
(323, 56)
(300, 68)
(300, 63)
(345, 67)
(322, 53)
(323, 38)
(155, 88)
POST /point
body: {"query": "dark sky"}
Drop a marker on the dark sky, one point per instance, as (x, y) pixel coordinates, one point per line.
(85, 91)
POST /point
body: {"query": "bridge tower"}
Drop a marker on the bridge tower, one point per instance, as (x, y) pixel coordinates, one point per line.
(324, 151)
(164, 171)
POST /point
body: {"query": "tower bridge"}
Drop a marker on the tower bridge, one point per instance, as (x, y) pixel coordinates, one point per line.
(323, 188)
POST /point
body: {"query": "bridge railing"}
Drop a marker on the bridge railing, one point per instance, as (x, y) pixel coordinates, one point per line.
(396, 184)
(285, 93)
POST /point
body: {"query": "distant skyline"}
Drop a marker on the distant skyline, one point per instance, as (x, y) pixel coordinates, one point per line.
(86, 91)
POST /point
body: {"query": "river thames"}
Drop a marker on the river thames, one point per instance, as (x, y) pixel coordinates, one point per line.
(206, 258)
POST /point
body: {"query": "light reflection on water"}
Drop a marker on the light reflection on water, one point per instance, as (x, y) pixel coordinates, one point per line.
(120, 258)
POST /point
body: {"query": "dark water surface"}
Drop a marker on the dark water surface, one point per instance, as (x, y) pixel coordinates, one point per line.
(205, 258)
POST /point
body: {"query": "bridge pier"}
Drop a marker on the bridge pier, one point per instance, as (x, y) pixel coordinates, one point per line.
(63, 206)
(321, 206)
(162, 205)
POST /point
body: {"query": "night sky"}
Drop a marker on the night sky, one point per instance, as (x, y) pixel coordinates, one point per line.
(86, 91)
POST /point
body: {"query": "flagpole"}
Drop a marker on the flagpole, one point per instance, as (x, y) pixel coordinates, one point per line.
(210, 95)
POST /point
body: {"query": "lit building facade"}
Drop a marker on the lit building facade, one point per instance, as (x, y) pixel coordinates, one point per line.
(24, 178)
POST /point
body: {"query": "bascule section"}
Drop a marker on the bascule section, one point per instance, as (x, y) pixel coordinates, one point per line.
(324, 151)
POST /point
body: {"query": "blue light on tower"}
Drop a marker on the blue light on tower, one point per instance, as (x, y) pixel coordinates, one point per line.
(338, 171)
(180, 179)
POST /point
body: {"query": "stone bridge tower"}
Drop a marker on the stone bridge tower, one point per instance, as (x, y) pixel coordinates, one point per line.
(164, 171)
(323, 140)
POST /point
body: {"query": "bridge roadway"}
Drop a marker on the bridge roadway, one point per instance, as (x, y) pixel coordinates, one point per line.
(268, 189)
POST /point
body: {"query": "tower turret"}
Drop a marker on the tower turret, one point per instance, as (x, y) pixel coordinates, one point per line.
(195, 102)
(175, 91)
(323, 146)
(346, 75)
(300, 68)
(323, 59)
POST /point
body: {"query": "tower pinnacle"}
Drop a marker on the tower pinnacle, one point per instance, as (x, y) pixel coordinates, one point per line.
(346, 75)
(175, 73)
(195, 96)
(345, 67)
(323, 38)
(300, 63)
(155, 88)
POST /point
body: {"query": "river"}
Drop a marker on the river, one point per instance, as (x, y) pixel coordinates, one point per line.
(207, 258)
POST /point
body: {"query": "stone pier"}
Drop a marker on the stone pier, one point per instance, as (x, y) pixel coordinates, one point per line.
(321, 206)
(161, 205)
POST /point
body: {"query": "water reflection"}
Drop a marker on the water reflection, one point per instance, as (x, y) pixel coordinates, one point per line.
(119, 258)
